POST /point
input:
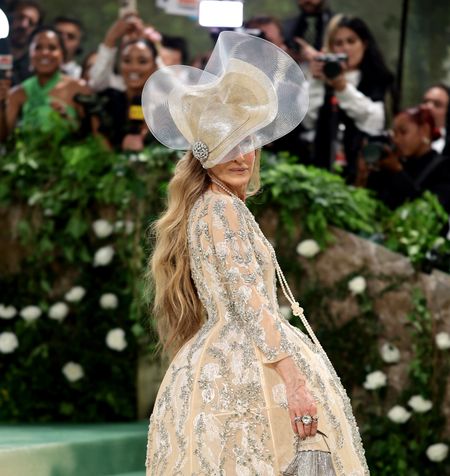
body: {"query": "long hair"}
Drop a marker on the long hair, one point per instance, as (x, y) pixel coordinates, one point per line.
(177, 309)
(375, 75)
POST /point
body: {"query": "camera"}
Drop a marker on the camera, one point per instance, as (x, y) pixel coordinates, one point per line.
(333, 64)
(377, 148)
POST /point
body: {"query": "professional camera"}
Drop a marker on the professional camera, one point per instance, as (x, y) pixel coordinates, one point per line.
(333, 64)
(377, 148)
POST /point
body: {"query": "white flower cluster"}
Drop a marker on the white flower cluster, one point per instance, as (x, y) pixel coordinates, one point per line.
(8, 342)
(375, 380)
(7, 312)
(109, 301)
(399, 414)
(103, 228)
(103, 256)
(308, 248)
(442, 340)
(389, 353)
(437, 452)
(58, 311)
(357, 285)
(115, 339)
(73, 371)
(76, 294)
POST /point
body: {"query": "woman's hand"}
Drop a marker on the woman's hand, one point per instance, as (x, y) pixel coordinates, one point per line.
(300, 400)
(391, 161)
(133, 142)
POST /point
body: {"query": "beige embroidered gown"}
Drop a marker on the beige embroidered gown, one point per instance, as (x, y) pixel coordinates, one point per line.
(221, 409)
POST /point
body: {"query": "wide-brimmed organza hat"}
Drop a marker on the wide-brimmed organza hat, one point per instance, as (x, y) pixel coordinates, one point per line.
(250, 93)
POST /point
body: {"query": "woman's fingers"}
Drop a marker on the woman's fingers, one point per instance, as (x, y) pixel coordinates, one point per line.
(301, 430)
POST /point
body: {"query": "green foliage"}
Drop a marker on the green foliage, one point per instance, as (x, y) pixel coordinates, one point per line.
(58, 188)
(315, 199)
(415, 228)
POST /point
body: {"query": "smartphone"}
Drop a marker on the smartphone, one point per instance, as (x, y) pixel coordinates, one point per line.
(126, 7)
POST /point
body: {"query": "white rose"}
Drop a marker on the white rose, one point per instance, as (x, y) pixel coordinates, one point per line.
(73, 371)
(437, 452)
(7, 312)
(58, 311)
(30, 313)
(443, 340)
(308, 248)
(128, 225)
(374, 380)
(8, 342)
(389, 353)
(413, 250)
(438, 242)
(398, 414)
(286, 311)
(357, 285)
(103, 256)
(109, 301)
(115, 339)
(420, 404)
(102, 228)
(75, 294)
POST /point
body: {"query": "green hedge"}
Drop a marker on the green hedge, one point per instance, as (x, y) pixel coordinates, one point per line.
(56, 190)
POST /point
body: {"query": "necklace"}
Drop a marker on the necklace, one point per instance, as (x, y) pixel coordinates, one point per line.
(224, 188)
(297, 310)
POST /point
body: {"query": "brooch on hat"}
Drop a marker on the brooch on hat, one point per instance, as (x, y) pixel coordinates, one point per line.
(200, 151)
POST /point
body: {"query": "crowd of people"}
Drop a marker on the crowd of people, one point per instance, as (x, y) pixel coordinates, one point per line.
(352, 123)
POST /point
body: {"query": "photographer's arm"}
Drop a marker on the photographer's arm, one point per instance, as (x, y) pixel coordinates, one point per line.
(368, 115)
(103, 68)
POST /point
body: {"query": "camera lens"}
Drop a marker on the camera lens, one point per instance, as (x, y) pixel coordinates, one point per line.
(332, 69)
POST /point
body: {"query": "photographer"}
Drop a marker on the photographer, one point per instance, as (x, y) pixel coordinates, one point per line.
(346, 96)
(121, 120)
(436, 99)
(409, 166)
(124, 30)
(72, 32)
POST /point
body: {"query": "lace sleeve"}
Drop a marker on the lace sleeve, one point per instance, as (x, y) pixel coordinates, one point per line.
(238, 278)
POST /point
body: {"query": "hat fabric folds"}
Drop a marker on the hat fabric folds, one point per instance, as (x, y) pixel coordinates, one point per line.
(249, 89)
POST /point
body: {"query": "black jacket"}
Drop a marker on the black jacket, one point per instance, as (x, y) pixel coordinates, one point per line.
(395, 188)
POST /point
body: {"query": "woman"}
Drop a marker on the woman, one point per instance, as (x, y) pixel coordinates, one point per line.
(349, 105)
(413, 166)
(31, 103)
(122, 123)
(246, 392)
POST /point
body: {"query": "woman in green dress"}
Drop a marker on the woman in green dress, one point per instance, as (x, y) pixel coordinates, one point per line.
(31, 102)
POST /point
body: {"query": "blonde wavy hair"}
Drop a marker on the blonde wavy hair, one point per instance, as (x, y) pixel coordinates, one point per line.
(177, 310)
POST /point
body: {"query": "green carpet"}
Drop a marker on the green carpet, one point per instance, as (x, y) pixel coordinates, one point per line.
(109, 449)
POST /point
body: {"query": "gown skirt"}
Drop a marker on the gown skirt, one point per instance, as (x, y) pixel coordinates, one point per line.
(221, 409)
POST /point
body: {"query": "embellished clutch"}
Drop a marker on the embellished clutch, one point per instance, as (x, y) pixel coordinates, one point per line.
(310, 463)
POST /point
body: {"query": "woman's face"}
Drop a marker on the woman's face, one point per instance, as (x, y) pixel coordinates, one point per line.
(410, 139)
(136, 65)
(236, 173)
(46, 54)
(347, 41)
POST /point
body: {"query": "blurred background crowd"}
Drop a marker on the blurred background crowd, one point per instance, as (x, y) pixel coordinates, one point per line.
(354, 124)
